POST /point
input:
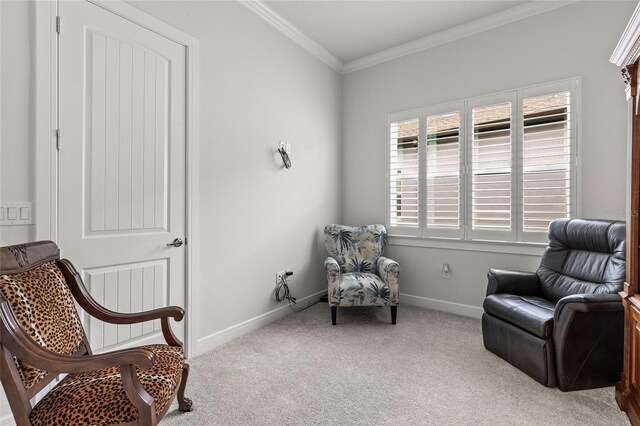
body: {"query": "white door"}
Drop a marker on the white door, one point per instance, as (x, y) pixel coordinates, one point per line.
(122, 167)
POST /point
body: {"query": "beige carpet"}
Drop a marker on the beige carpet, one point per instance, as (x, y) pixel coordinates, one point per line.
(429, 369)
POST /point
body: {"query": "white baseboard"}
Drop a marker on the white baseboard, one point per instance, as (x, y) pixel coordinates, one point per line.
(442, 305)
(216, 339)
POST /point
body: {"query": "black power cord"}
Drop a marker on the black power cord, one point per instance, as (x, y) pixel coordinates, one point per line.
(283, 293)
(285, 158)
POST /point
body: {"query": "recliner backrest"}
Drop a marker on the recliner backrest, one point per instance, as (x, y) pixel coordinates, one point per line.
(356, 248)
(583, 256)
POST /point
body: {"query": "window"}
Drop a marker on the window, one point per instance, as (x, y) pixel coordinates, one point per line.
(498, 167)
(404, 182)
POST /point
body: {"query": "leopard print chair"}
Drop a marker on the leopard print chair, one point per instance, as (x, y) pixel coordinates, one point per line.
(41, 337)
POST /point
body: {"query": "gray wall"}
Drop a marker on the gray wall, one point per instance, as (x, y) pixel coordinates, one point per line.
(569, 41)
(257, 87)
(17, 109)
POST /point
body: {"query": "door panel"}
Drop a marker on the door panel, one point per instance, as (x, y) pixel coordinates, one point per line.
(119, 196)
(134, 287)
(122, 166)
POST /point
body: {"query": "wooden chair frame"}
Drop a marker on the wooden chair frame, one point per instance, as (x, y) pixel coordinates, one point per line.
(15, 341)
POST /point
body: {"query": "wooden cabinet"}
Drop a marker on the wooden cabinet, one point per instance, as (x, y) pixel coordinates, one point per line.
(627, 55)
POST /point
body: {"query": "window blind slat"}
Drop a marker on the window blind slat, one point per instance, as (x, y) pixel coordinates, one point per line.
(546, 160)
(404, 173)
(443, 171)
(491, 167)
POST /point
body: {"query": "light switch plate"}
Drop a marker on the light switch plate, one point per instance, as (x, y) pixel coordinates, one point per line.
(16, 213)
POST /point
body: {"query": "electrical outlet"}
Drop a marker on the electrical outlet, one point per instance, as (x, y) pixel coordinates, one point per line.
(279, 277)
(282, 145)
(446, 271)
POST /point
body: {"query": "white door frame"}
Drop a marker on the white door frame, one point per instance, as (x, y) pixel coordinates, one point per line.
(46, 170)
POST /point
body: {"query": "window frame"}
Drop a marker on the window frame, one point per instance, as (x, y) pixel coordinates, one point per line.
(465, 233)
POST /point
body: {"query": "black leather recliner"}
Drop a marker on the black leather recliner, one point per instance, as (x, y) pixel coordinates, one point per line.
(563, 324)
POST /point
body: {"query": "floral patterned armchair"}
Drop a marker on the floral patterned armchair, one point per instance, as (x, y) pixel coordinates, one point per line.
(357, 273)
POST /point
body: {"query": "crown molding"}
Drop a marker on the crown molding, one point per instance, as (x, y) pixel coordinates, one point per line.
(285, 27)
(628, 49)
(513, 14)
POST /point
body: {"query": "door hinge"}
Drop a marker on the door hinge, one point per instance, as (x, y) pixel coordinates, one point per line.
(58, 140)
(58, 24)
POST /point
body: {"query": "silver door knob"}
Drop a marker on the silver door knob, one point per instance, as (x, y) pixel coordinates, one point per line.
(176, 243)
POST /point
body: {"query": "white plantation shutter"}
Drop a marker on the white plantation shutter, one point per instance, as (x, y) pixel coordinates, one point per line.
(548, 159)
(498, 167)
(404, 173)
(443, 177)
(491, 171)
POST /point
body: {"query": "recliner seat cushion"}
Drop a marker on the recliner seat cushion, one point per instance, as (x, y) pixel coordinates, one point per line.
(530, 313)
(98, 397)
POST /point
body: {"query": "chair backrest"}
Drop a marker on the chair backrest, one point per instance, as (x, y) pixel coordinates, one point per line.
(356, 248)
(583, 256)
(36, 289)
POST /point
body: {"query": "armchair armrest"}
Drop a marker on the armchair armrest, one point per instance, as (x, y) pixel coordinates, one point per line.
(333, 280)
(588, 336)
(389, 271)
(94, 309)
(331, 265)
(512, 282)
(17, 342)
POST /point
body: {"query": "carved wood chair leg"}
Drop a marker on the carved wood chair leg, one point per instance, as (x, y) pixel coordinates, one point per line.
(184, 404)
(394, 314)
(334, 312)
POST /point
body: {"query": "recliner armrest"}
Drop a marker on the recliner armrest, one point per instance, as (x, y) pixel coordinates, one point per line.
(512, 282)
(587, 303)
(588, 335)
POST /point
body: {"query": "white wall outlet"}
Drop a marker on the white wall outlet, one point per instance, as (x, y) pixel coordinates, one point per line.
(282, 145)
(279, 277)
(288, 149)
(446, 271)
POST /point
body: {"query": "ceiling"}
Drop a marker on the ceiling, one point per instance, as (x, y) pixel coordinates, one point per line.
(351, 30)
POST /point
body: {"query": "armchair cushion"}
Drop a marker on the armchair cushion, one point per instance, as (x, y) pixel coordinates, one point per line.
(90, 398)
(530, 313)
(42, 302)
(361, 288)
(356, 248)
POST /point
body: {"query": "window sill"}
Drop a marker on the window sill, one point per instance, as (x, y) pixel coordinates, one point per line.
(528, 249)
